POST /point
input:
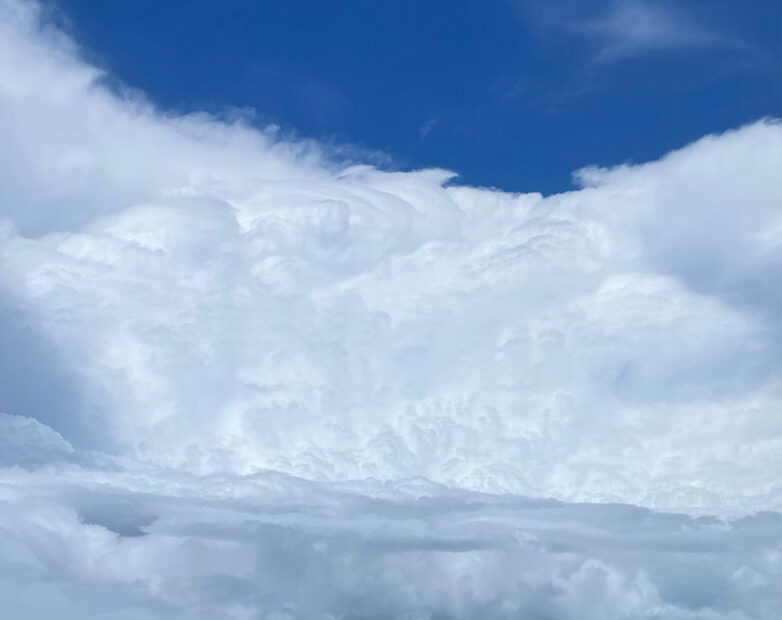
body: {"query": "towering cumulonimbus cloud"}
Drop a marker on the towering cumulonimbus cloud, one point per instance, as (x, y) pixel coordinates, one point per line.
(209, 330)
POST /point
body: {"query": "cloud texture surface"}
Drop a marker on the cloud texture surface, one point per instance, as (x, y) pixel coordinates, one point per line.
(212, 329)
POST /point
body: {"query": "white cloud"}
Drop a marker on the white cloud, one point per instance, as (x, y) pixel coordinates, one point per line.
(236, 303)
(201, 302)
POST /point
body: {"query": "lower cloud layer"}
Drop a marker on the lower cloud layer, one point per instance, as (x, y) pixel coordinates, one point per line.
(83, 535)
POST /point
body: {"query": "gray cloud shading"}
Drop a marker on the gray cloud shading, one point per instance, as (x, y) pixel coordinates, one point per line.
(100, 539)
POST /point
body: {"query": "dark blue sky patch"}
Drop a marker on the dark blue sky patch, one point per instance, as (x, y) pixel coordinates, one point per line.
(512, 94)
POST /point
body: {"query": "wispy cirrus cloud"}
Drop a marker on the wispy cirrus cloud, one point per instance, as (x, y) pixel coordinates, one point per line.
(632, 27)
(623, 29)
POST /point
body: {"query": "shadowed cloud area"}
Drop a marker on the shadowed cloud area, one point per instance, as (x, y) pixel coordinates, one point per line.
(245, 378)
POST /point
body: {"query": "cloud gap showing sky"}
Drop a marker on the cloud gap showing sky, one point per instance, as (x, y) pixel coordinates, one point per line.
(245, 378)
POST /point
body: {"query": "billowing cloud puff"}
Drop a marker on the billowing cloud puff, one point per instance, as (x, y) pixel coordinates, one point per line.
(211, 329)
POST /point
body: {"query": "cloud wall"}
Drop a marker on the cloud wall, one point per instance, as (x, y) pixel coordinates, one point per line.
(223, 301)
(243, 377)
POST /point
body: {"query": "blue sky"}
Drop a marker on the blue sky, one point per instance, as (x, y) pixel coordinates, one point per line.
(514, 94)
